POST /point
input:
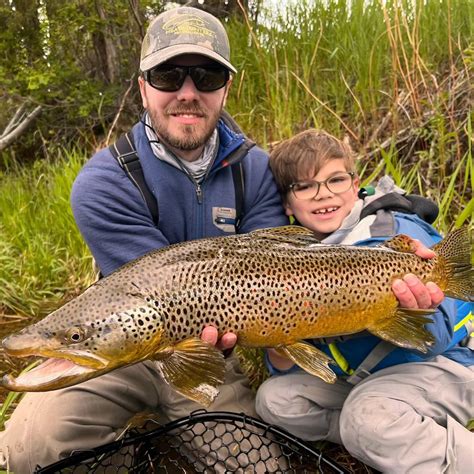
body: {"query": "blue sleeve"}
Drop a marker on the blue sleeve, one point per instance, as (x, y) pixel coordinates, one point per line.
(111, 214)
(262, 207)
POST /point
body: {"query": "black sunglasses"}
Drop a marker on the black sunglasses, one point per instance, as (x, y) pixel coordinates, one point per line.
(169, 78)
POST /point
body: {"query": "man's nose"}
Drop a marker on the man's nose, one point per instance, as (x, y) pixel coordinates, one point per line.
(188, 91)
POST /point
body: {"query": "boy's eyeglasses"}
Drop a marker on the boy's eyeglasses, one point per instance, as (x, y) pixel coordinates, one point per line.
(169, 78)
(337, 184)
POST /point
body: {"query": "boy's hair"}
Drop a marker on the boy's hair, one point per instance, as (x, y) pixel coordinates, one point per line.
(304, 154)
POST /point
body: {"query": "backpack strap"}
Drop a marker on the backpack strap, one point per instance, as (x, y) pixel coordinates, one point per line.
(235, 159)
(123, 150)
(239, 188)
(376, 355)
(409, 203)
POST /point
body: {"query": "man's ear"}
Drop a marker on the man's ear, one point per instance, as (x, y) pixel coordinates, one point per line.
(288, 211)
(142, 85)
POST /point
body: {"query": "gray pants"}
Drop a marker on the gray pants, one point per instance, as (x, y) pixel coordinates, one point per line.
(408, 418)
(46, 427)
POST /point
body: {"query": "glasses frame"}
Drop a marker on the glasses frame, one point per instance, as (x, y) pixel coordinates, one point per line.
(189, 71)
(291, 187)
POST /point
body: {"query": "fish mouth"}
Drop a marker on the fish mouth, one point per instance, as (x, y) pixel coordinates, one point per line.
(60, 370)
(50, 375)
(82, 358)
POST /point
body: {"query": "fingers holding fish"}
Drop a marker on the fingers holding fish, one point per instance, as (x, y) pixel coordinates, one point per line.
(211, 336)
(412, 293)
(437, 296)
(422, 251)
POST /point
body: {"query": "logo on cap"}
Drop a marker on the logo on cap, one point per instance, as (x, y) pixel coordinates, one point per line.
(188, 25)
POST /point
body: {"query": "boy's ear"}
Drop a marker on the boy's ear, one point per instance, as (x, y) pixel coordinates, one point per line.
(288, 211)
(356, 184)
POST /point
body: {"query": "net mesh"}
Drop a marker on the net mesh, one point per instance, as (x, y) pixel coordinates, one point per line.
(204, 442)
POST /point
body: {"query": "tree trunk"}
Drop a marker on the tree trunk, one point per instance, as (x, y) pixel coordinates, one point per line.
(105, 46)
(18, 125)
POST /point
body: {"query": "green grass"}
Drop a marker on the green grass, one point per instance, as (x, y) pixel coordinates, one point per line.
(42, 255)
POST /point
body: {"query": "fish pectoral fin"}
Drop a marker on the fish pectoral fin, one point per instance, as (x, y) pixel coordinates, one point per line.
(290, 234)
(194, 369)
(400, 243)
(310, 359)
(406, 329)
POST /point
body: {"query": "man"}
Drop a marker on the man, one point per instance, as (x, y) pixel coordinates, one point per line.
(186, 152)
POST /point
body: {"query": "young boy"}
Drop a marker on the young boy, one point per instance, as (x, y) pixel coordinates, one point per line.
(394, 409)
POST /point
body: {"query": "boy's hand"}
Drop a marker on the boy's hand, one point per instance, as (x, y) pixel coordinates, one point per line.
(279, 361)
(211, 336)
(411, 292)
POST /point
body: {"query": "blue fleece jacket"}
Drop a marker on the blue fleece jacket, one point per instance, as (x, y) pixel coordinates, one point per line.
(116, 223)
(355, 350)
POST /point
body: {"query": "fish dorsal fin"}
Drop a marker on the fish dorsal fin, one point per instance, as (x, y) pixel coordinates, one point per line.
(194, 369)
(406, 329)
(310, 359)
(291, 234)
(400, 243)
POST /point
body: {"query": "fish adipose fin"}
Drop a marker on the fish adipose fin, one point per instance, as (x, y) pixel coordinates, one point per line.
(406, 329)
(290, 234)
(456, 251)
(194, 369)
(400, 243)
(310, 359)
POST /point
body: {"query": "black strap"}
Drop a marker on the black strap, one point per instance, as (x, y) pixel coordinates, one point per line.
(239, 188)
(235, 159)
(410, 203)
(123, 150)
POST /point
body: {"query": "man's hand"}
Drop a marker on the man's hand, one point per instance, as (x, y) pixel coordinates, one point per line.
(411, 292)
(227, 341)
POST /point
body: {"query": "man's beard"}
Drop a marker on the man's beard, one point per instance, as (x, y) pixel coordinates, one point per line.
(189, 137)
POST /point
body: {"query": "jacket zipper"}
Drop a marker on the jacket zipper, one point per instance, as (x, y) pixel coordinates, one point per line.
(198, 192)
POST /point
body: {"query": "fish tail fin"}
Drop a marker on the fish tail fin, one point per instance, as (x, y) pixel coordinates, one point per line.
(456, 250)
(406, 329)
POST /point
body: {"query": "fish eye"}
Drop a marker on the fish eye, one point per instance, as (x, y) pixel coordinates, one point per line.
(75, 335)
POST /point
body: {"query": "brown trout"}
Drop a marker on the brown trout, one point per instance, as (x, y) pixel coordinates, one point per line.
(273, 288)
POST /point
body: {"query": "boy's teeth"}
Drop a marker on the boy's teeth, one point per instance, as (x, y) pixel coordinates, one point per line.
(324, 211)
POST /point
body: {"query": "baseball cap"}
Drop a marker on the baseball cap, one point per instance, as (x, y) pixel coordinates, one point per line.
(185, 30)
